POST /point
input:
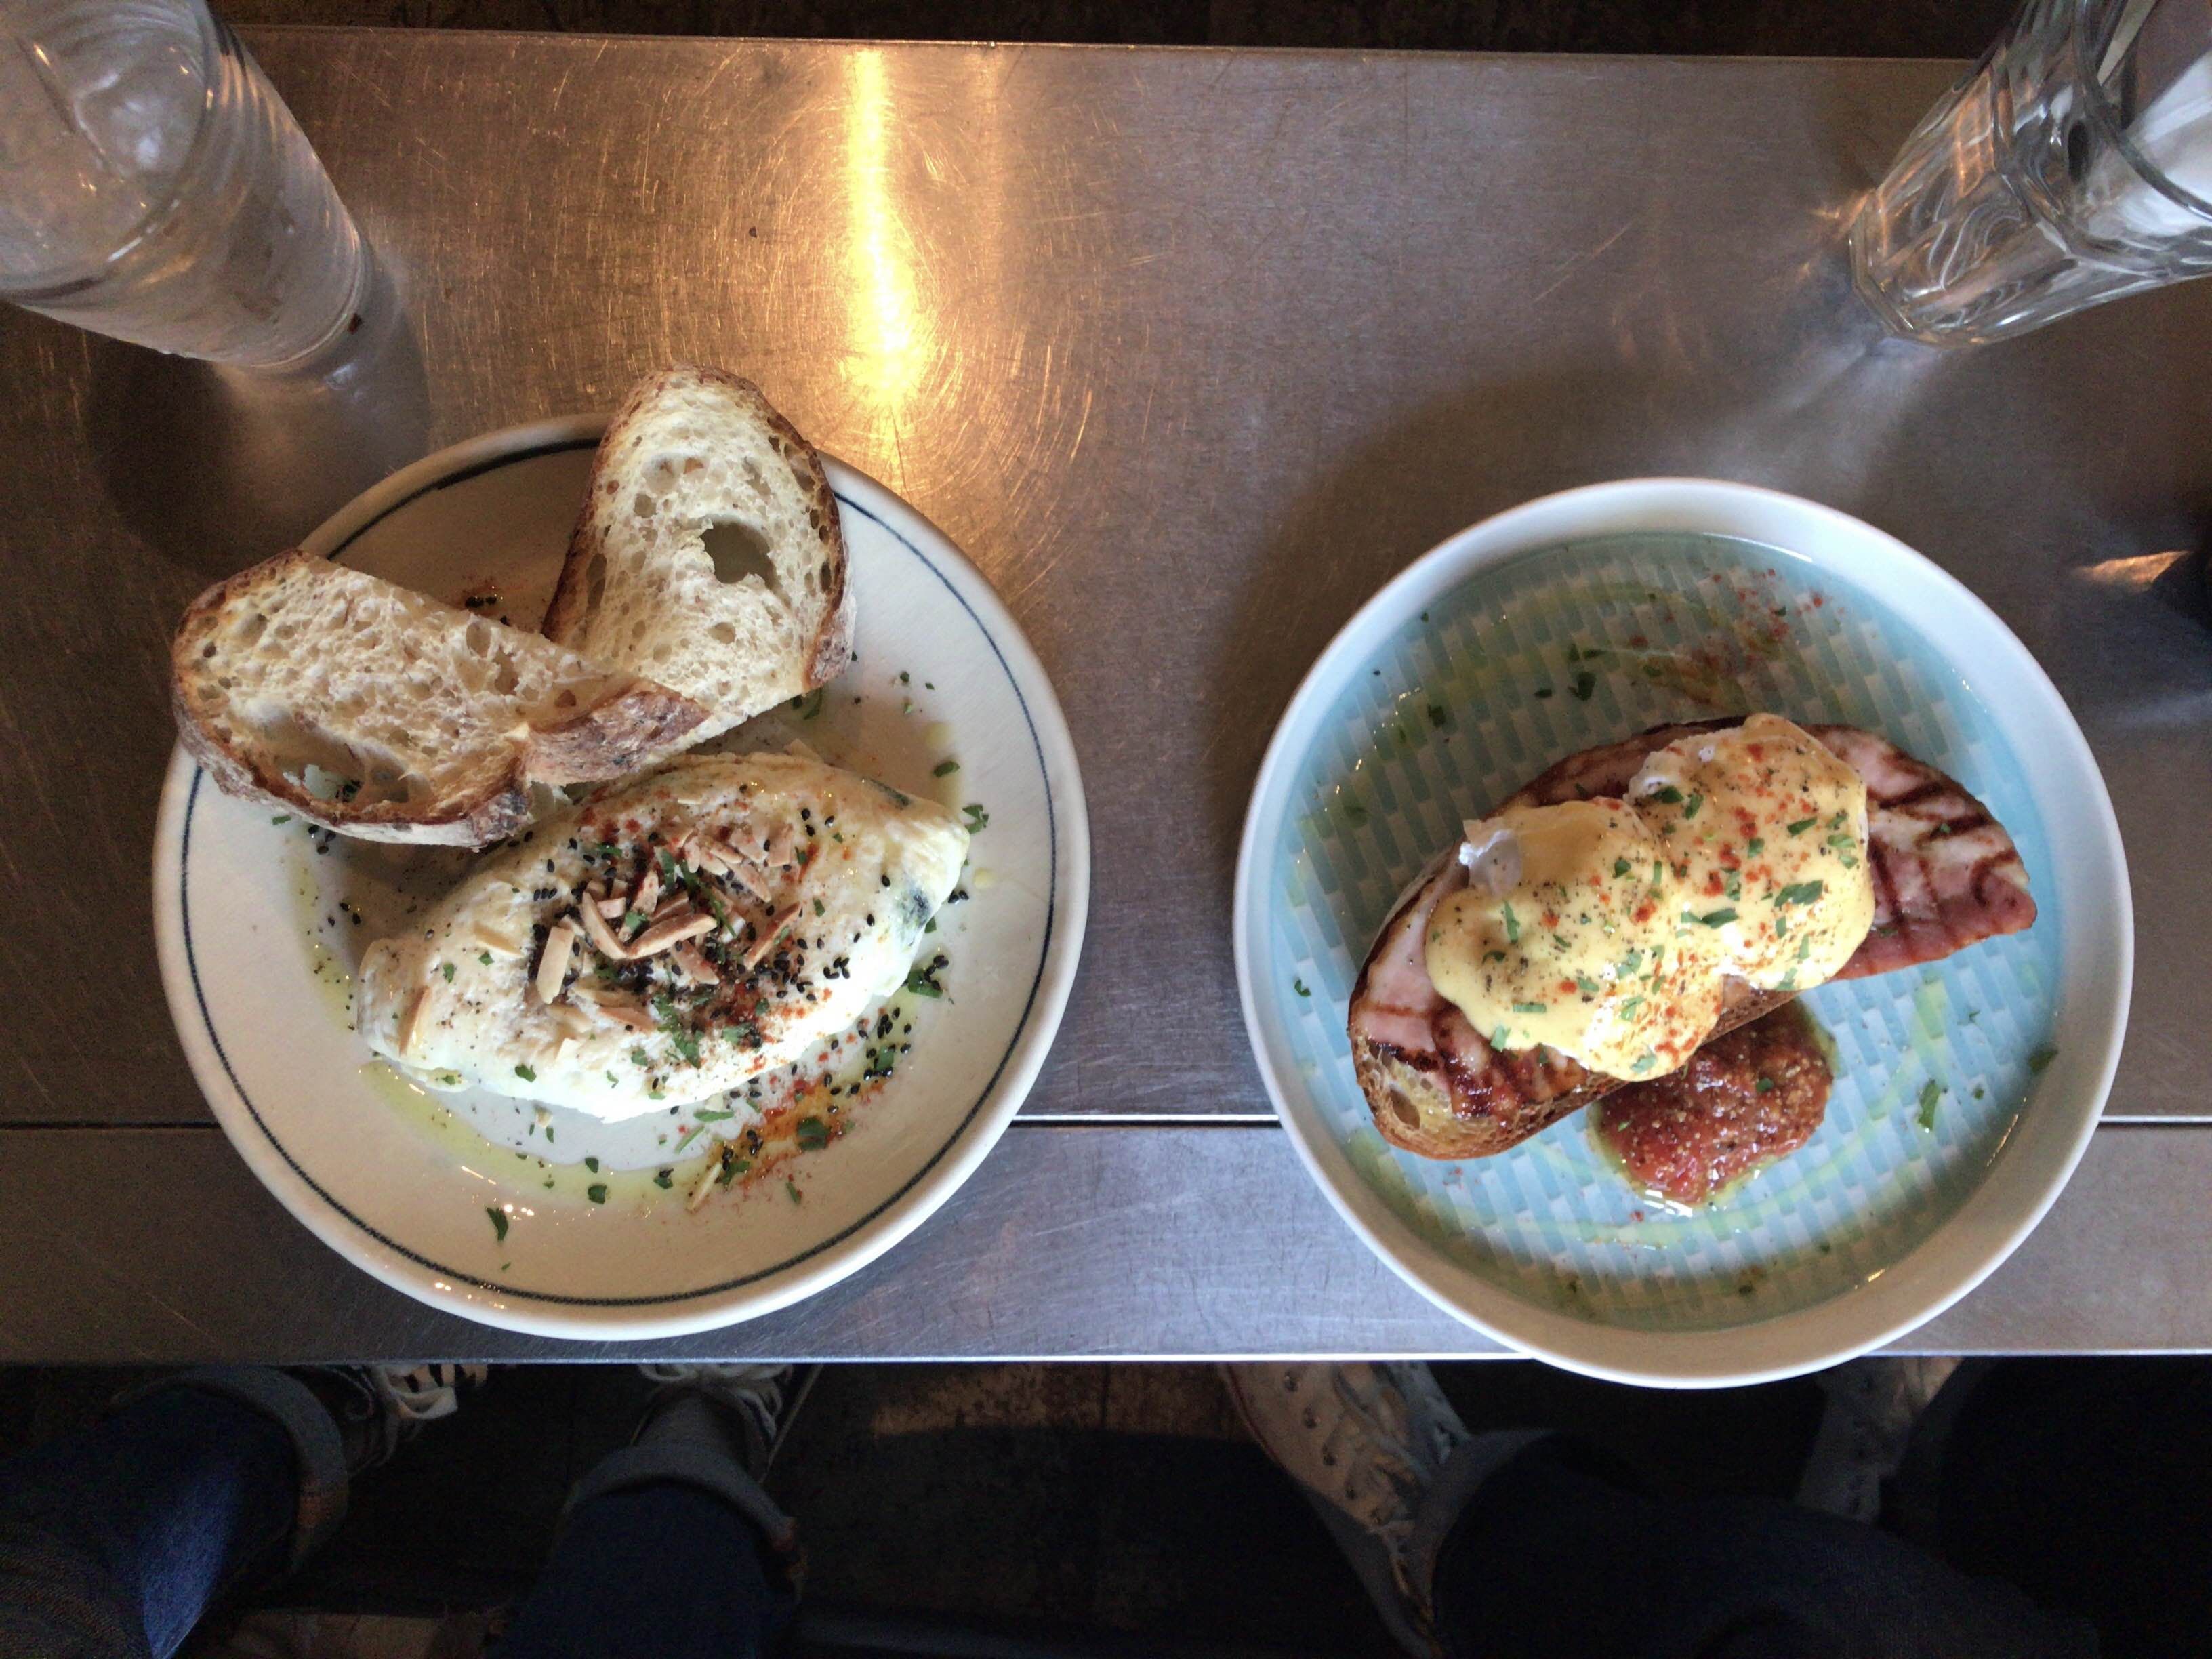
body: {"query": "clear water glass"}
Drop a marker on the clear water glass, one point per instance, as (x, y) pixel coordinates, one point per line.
(2072, 166)
(154, 187)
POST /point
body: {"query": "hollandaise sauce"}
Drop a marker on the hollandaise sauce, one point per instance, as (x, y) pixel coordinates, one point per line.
(1604, 929)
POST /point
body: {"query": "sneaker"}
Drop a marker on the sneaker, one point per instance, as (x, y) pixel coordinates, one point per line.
(704, 1401)
(1872, 1406)
(1365, 1442)
(377, 1407)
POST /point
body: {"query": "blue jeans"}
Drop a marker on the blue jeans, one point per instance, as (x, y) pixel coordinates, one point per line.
(115, 1540)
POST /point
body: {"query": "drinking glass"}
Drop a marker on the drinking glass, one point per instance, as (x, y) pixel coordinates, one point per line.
(2071, 167)
(153, 186)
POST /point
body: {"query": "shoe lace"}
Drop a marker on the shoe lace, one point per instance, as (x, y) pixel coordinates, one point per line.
(425, 1393)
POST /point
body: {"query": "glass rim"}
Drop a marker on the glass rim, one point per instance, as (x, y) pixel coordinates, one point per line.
(2107, 112)
(43, 287)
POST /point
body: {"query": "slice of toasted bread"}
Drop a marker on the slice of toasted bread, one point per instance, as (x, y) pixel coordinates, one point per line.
(430, 724)
(709, 553)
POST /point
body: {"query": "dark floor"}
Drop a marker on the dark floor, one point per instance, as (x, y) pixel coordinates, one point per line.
(1022, 1497)
(1857, 28)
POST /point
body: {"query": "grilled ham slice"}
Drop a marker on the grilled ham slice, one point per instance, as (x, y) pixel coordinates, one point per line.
(1946, 875)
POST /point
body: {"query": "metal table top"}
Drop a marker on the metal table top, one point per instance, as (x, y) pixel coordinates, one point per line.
(1190, 350)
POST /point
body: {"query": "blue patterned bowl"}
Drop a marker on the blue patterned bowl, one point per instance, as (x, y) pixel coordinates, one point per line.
(1965, 1088)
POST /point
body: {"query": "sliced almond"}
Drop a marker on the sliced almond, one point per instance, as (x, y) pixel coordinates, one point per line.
(573, 1021)
(674, 930)
(626, 1010)
(601, 935)
(779, 845)
(612, 909)
(708, 1177)
(553, 962)
(647, 892)
(795, 747)
(491, 938)
(692, 962)
(764, 945)
(744, 871)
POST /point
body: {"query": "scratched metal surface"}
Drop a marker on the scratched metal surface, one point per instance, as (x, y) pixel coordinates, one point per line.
(1191, 350)
(1166, 1241)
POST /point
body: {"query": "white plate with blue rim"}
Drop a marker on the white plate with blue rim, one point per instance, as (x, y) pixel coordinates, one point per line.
(1965, 1089)
(552, 1222)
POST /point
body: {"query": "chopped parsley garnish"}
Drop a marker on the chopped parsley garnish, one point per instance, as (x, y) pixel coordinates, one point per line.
(1436, 714)
(1493, 956)
(813, 1134)
(637, 1056)
(484, 956)
(1632, 962)
(1299, 986)
(1543, 691)
(818, 907)
(446, 969)
(1930, 1092)
(526, 1073)
(1529, 1008)
(1628, 1009)
(1586, 985)
(282, 817)
(1620, 867)
(1512, 924)
(1755, 846)
(1732, 884)
(1644, 1062)
(792, 1188)
(593, 1164)
(810, 705)
(1803, 825)
(1765, 1086)
(1717, 918)
(1497, 1038)
(978, 819)
(922, 981)
(1849, 843)
(1689, 806)
(2040, 1058)
(1585, 683)
(661, 1178)
(498, 1222)
(705, 1116)
(1668, 796)
(597, 1192)
(1802, 892)
(944, 769)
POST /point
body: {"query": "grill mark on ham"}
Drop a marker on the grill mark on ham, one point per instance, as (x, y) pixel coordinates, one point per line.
(1944, 875)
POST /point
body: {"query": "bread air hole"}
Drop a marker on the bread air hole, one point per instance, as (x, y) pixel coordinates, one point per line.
(725, 633)
(595, 584)
(739, 550)
(1403, 1109)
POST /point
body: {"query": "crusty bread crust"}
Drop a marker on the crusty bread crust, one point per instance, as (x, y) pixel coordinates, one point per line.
(831, 649)
(631, 720)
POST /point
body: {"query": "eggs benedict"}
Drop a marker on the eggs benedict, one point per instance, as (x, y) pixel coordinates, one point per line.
(1640, 898)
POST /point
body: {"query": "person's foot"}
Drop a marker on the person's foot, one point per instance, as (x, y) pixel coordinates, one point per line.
(378, 1406)
(741, 1409)
(1872, 1406)
(1364, 1442)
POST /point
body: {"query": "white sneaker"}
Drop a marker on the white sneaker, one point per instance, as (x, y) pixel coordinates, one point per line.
(378, 1406)
(1873, 1404)
(1365, 1442)
(754, 1395)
